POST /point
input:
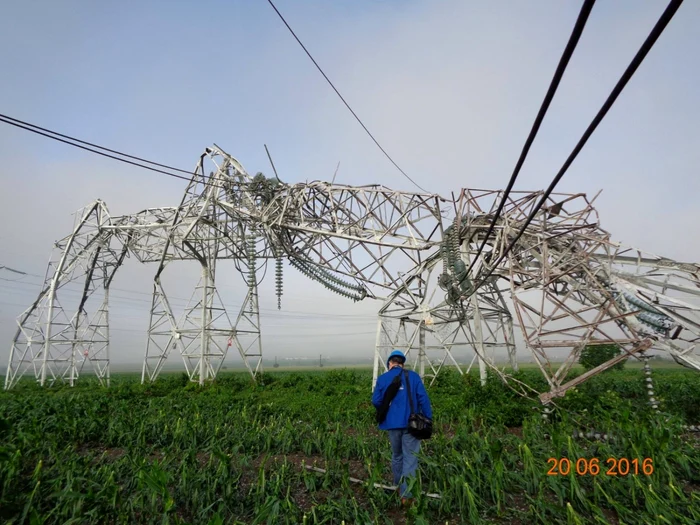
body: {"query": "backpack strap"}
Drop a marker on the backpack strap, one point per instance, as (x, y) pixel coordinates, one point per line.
(408, 391)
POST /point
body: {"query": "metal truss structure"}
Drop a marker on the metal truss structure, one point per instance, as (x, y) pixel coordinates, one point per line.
(565, 285)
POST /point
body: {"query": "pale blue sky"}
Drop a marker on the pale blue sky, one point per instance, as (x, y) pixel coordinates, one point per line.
(450, 88)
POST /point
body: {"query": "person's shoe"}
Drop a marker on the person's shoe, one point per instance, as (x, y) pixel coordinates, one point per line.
(406, 502)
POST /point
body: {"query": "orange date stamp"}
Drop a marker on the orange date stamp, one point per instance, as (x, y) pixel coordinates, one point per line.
(593, 467)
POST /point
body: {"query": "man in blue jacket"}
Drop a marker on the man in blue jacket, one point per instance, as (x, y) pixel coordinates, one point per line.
(404, 447)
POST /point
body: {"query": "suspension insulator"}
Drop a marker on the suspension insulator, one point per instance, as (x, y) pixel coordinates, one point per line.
(649, 316)
(250, 245)
(278, 281)
(649, 383)
(632, 299)
(446, 249)
(443, 254)
(454, 243)
(453, 268)
(328, 280)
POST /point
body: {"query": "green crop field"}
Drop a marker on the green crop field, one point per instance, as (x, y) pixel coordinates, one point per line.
(234, 452)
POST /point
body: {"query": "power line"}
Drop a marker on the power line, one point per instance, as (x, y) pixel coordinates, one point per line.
(54, 135)
(554, 84)
(95, 145)
(344, 101)
(175, 299)
(651, 39)
(267, 312)
(270, 336)
(30, 127)
(316, 334)
(7, 268)
(293, 334)
(66, 139)
(19, 279)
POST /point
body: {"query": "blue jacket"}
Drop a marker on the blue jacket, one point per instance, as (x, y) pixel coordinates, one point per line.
(400, 409)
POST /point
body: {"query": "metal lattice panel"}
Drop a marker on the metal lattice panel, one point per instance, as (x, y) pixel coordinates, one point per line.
(565, 284)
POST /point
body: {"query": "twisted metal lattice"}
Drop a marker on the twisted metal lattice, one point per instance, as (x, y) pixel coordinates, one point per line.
(565, 285)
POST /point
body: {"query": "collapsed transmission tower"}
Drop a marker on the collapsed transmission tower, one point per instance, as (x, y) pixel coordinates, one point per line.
(565, 285)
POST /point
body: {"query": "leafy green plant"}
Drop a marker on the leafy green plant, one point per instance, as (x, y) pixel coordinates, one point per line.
(233, 452)
(594, 355)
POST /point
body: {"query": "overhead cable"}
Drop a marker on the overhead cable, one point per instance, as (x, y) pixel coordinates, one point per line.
(95, 145)
(50, 134)
(66, 139)
(554, 84)
(175, 300)
(661, 24)
(78, 143)
(344, 101)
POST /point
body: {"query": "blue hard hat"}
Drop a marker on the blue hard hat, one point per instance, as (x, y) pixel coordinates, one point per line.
(396, 353)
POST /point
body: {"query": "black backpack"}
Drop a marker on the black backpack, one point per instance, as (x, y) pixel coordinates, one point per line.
(389, 396)
(419, 426)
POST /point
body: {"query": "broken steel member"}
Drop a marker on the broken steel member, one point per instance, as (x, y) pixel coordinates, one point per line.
(394, 408)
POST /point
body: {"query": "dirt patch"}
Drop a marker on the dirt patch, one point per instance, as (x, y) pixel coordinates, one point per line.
(691, 487)
(374, 431)
(276, 460)
(353, 432)
(692, 438)
(397, 515)
(611, 516)
(272, 462)
(516, 431)
(156, 455)
(304, 498)
(113, 454)
(357, 469)
(448, 431)
(203, 458)
(519, 502)
(515, 503)
(100, 452)
(184, 515)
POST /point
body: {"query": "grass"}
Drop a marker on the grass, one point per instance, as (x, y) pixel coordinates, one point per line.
(234, 452)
